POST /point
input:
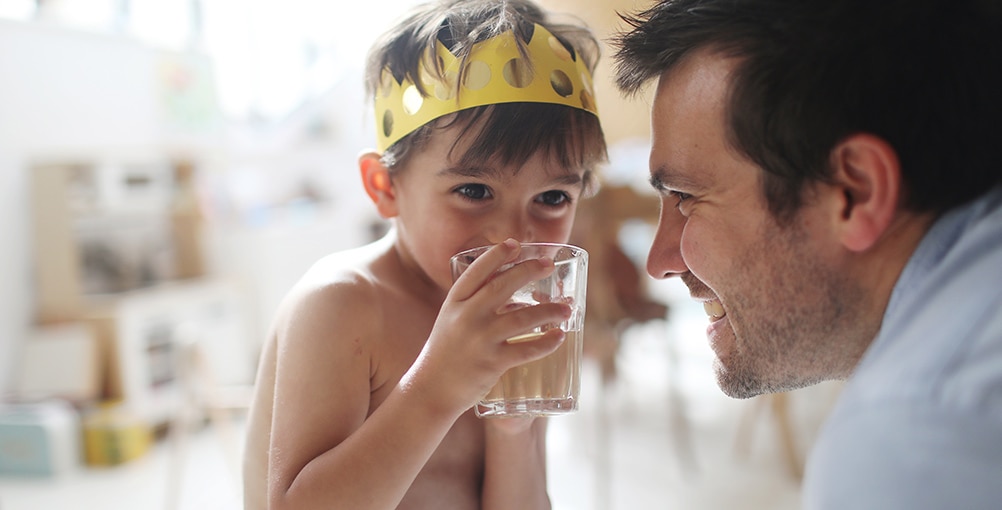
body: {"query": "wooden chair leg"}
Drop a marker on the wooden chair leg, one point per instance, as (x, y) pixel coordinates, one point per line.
(780, 404)
(678, 415)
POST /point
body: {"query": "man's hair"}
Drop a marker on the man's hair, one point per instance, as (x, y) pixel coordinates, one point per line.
(510, 132)
(924, 75)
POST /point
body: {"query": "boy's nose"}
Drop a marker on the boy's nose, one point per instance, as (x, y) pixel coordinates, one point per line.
(514, 226)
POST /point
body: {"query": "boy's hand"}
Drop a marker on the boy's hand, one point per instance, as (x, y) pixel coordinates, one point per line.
(510, 426)
(466, 352)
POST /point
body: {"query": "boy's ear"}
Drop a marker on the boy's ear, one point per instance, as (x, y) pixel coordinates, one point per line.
(867, 177)
(377, 183)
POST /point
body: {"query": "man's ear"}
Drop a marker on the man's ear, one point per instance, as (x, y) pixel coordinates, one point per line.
(867, 176)
(377, 183)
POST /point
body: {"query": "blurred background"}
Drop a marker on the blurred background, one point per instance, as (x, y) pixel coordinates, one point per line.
(168, 169)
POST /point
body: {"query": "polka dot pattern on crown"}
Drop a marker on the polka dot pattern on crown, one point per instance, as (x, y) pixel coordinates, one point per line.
(495, 73)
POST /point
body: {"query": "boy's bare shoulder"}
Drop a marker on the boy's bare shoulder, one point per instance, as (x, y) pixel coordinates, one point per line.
(340, 289)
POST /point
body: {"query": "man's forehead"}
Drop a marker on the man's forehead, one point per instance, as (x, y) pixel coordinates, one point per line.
(701, 75)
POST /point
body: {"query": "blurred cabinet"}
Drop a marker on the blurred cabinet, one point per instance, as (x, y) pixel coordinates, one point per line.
(142, 334)
(118, 249)
(110, 225)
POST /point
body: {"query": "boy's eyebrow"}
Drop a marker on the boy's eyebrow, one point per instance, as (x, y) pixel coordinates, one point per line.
(466, 171)
(568, 179)
(494, 173)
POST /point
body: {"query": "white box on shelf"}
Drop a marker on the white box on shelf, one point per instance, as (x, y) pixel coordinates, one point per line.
(59, 361)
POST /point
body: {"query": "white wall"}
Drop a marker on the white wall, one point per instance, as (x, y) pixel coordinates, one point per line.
(67, 93)
(63, 92)
(15, 283)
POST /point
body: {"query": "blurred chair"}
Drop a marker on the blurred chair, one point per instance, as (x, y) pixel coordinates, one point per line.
(202, 399)
(796, 417)
(618, 299)
(617, 294)
(777, 405)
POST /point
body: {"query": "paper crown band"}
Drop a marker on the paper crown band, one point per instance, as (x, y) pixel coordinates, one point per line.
(495, 73)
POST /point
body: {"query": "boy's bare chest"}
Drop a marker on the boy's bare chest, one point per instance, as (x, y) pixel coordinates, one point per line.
(456, 466)
(453, 476)
(402, 336)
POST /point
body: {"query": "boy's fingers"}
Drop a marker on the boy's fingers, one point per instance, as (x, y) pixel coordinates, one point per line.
(503, 285)
(543, 344)
(483, 268)
(526, 319)
(482, 274)
(525, 337)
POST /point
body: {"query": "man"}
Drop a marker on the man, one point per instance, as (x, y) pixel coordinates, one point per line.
(831, 193)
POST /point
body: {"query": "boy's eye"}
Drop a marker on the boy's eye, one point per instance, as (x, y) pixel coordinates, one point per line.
(554, 198)
(473, 191)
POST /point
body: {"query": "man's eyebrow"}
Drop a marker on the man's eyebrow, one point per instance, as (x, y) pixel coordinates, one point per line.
(665, 178)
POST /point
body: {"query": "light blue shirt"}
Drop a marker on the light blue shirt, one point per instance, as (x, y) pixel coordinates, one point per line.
(919, 424)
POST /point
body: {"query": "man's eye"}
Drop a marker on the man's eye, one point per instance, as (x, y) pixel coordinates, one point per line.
(554, 198)
(682, 197)
(473, 191)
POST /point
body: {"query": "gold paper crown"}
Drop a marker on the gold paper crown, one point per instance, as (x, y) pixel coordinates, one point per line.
(495, 73)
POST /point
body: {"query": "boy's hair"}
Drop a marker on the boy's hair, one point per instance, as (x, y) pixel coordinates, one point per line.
(508, 133)
(924, 75)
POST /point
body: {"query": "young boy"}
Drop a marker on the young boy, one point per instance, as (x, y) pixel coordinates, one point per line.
(488, 135)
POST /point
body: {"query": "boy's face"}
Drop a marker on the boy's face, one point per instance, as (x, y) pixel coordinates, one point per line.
(443, 209)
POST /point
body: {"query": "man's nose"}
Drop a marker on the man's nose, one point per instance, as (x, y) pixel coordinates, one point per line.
(664, 259)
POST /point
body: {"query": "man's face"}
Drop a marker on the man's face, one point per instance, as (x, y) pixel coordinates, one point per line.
(774, 293)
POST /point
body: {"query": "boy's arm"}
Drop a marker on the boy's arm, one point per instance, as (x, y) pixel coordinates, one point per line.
(325, 451)
(515, 464)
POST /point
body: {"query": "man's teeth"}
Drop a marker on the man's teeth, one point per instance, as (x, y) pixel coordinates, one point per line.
(714, 309)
